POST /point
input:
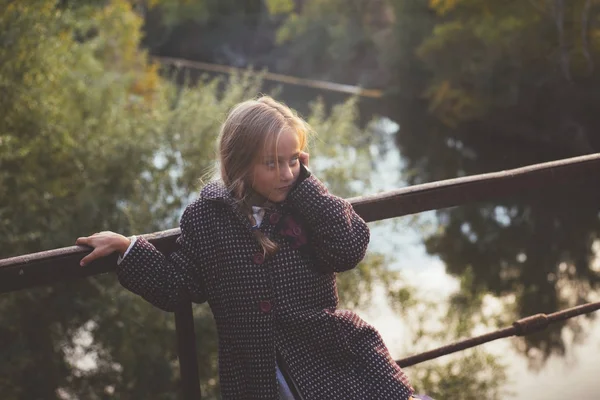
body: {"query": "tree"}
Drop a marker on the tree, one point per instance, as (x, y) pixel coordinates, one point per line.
(76, 92)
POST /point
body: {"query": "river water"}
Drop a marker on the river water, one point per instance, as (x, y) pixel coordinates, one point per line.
(570, 376)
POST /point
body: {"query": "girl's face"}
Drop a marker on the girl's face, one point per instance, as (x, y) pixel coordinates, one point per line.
(276, 172)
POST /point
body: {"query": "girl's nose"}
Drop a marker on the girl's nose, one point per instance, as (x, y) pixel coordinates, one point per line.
(286, 173)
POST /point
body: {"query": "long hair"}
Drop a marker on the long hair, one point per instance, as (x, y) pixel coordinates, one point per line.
(251, 127)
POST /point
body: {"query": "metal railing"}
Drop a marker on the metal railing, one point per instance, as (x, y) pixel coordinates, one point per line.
(270, 76)
(52, 266)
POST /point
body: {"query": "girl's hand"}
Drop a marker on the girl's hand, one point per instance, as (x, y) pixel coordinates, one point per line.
(303, 157)
(104, 243)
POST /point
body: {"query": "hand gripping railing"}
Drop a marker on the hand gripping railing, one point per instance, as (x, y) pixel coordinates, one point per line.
(51, 266)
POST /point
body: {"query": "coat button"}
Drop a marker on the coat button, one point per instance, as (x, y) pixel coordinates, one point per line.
(297, 231)
(259, 258)
(274, 218)
(265, 306)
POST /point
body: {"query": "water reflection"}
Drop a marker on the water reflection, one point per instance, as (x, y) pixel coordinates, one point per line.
(496, 292)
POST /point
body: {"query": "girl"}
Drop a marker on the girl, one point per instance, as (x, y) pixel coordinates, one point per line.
(262, 246)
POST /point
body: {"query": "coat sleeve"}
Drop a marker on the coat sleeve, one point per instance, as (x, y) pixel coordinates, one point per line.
(339, 236)
(167, 281)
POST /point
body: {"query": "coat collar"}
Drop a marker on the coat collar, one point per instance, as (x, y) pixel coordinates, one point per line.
(217, 191)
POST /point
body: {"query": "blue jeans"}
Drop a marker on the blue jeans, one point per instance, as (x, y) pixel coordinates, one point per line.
(285, 393)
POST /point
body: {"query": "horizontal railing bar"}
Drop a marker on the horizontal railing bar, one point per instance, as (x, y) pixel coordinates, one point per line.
(476, 188)
(271, 76)
(47, 267)
(455, 347)
(60, 264)
(522, 327)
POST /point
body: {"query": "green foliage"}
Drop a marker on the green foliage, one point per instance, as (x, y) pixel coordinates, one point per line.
(472, 375)
(340, 149)
(337, 34)
(175, 12)
(73, 110)
(279, 6)
(80, 110)
(215, 24)
(488, 72)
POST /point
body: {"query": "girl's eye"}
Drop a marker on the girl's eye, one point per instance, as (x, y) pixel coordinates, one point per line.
(270, 164)
(294, 161)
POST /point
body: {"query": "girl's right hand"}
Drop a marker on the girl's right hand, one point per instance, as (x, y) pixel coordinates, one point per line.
(104, 243)
(304, 156)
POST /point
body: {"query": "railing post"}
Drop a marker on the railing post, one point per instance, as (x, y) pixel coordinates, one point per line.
(186, 352)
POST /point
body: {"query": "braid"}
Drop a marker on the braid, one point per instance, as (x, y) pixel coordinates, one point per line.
(269, 247)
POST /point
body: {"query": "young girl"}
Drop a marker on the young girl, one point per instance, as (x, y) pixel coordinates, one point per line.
(262, 246)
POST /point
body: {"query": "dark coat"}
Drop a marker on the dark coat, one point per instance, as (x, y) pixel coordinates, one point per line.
(286, 302)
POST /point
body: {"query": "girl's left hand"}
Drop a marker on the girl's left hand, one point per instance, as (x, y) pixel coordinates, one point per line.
(304, 158)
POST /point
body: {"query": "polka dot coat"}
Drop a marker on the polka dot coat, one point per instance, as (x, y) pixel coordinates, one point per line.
(285, 303)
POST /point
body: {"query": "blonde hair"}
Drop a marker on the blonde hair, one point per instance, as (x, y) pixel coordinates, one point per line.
(249, 128)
